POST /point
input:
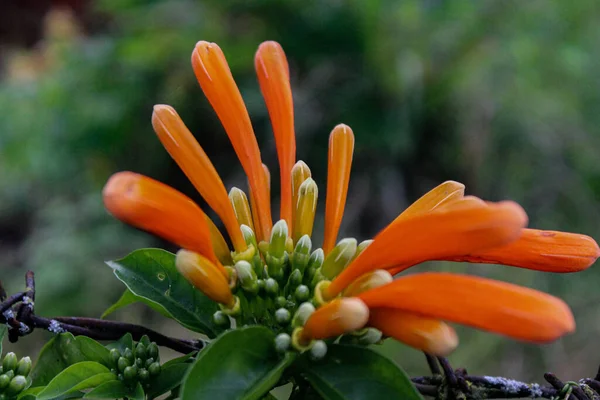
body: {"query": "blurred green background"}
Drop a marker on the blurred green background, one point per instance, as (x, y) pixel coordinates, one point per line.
(501, 95)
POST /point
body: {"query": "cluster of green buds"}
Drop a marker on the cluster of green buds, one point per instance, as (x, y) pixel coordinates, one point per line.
(138, 364)
(13, 376)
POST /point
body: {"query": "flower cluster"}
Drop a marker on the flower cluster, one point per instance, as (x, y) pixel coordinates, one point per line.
(13, 376)
(275, 275)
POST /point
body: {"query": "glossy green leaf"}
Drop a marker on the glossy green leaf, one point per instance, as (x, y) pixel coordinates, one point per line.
(152, 275)
(114, 389)
(239, 364)
(138, 393)
(31, 393)
(3, 330)
(128, 298)
(353, 373)
(169, 378)
(126, 342)
(179, 360)
(83, 375)
(64, 350)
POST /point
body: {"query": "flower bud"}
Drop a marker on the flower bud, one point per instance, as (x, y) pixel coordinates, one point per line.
(280, 301)
(249, 235)
(4, 381)
(140, 351)
(10, 362)
(122, 364)
(370, 336)
(282, 342)
(339, 257)
(130, 373)
(367, 281)
(304, 311)
(153, 350)
(306, 206)
(335, 318)
(148, 362)
(16, 385)
(241, 207)
(128, 354)
(247, 277)
(10, 373)
(205, 276)
(300, 173)
(24, 366)
(282, 316)
(154, 369)
(301, 253)
(271, 287)
(279, 235)
(143, 375)
(139, 362)
(361, 247)
(221, 319)
(318, 350)
(302, 293)
(115, 354)
(293, 282)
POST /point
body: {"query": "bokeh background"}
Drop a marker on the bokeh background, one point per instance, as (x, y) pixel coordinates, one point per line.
(501, 95)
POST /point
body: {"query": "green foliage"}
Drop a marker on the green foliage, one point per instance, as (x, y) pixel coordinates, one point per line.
(239, 364)
(76, 377)
(151, 275)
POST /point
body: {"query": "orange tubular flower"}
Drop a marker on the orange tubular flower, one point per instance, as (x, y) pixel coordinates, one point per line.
(429, 335)
(336, 318)
(341, 148)
(154, 207)
(436, 235)
(486, 304)
(214, 76)
(194, 162)
(274, 78)
(542, 251)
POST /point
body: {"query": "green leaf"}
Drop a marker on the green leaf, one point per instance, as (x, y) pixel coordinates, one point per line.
(351, 372)
(239, 364)
(169, 378)
(83, 375)
(3, 330)
(126, 342)
(31, 393)
(137, 394)
(114, 389)
(178, 360)
(128, 298)
(64, 350)
(151, 274)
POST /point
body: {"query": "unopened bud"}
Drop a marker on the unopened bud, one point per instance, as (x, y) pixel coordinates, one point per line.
(306, 206)
(318, 350)
(4, 381)
(249, 235)
(302, 293)
(128, 354)
(271, 287)
(234, 310)
(367, 281)
(315, 262)
(282, 316)
(115, 354)
(301, 253)
(338, 258)
(10, 362)
(361, 247)
(241, 207)
(148, 362)
(370, 336)
(300, 173)
(304, 311)
(282, 342)
(24, 366)
(293, 282)
(140, 351)
(279, 235)
(122, 364)
(16, 385)
(247, 277)
(220, 319)
(153, 350)
(154, 369)
(143, 375)
(335, 318)
(204, 275)
(130, 373)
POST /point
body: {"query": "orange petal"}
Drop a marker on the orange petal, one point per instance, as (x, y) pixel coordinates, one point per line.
(427, 334)
(214, 76)
(204, 275)
(442, 194)
(273, 76)
(218, 243)
(542, 251)
(157, 208)
(193, 161)
(436, 235)
(341, 148)
(335, 318)
(253, 205)
(499, 307)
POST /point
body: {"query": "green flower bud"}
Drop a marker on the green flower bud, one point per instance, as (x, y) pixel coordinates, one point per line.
(154, 369)
(10, 362)
(128, 354)
(314, 263)
(271, 287)
(305, 208)
(261, 285)
(115, 354)
(10, 373)
(249, 235)
(280, 301)
(221, 319)
(122, 364)
(282, 342)
(24, 366)
(149, 361)
(16, 385)
(246, 277)
(318, 350)
(139, 362)
(361, 247)
(4, 381)
(294, 280)
(120, 377)
(153, 349)
(339, 257)
(130, 373)
(301, 253)
(304, 311)
(140, 351)
(370, 336)
(302, 293)
(145, 340)
(143, 375)
(282, 316)
(279, 235)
